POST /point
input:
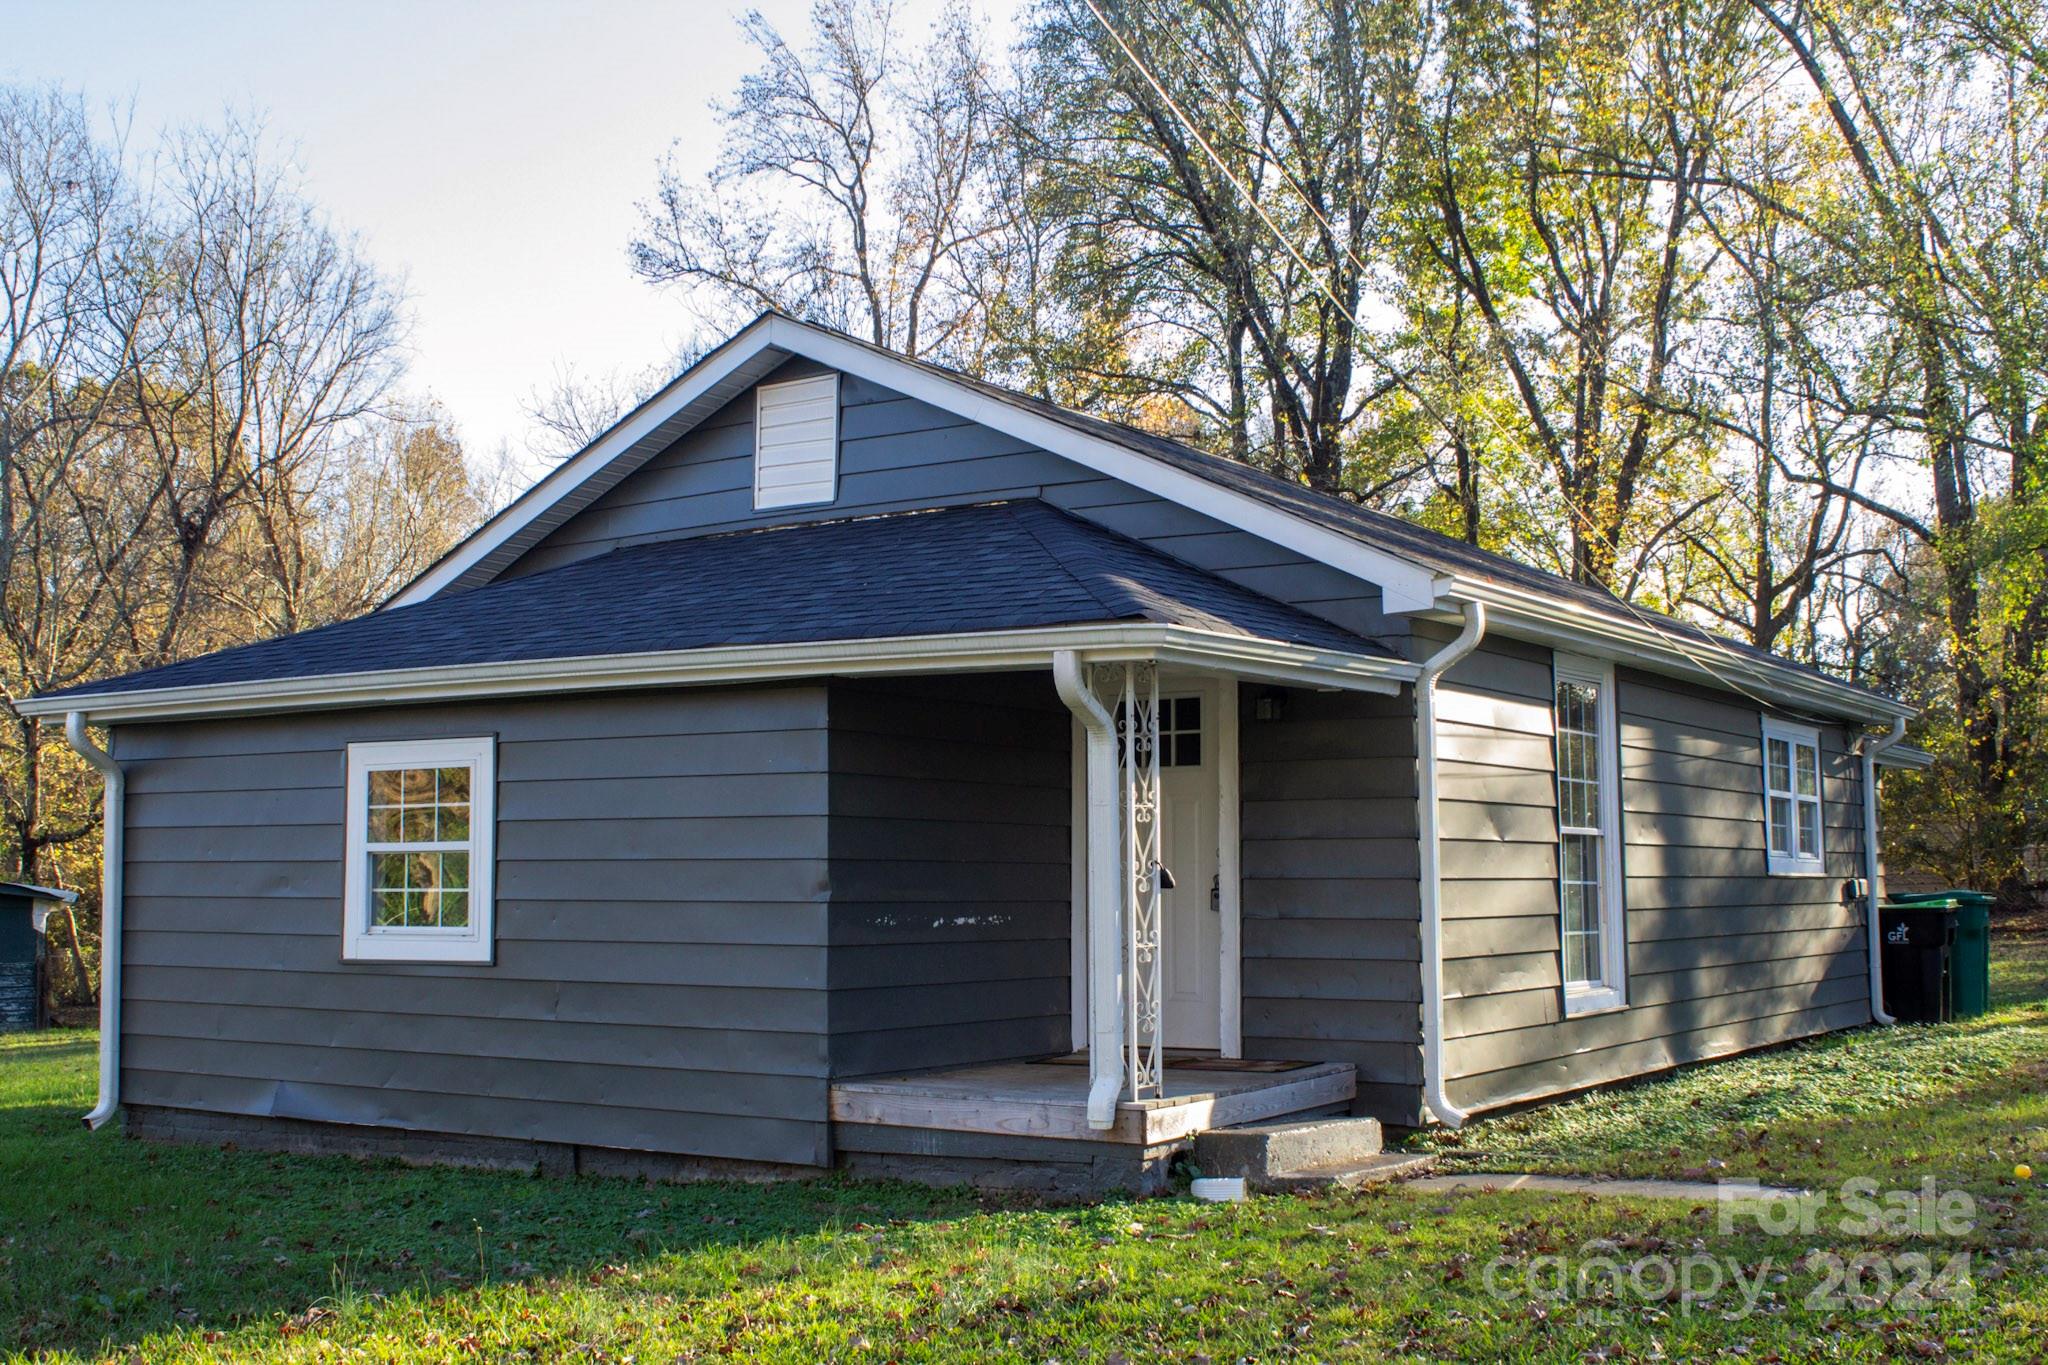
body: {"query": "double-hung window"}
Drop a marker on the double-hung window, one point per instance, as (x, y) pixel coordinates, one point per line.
(1792, 840)
(1589, 835)
(419, 841)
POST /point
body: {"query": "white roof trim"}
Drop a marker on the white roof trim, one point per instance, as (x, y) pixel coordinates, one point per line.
(1561, 621)
(1404, 585)
(1242, 656)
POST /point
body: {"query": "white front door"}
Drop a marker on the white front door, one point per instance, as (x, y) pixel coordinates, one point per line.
(1192, 971)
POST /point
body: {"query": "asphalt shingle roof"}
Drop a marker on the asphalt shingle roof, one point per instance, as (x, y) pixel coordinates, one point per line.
(1431, 549)
(999, 566)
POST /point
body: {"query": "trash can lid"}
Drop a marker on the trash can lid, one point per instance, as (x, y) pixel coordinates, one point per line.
(1952, 900)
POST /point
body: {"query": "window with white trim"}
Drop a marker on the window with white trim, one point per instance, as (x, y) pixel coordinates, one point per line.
(1792, 837)
(420, 835)
(1588, 834)
(1180, 734)
(796, 442)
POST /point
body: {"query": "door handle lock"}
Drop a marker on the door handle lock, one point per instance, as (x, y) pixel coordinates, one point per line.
(1216, 894)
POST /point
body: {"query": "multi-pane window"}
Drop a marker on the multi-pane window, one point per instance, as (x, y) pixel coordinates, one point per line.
(418, 884)
(1792, 798)
(418, 843)
(1589, 878)
(1180, 733)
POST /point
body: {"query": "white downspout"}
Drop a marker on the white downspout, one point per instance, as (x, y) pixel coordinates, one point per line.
(1105, 892)
(1433, 1092)
(114, 822)
(1869, 747)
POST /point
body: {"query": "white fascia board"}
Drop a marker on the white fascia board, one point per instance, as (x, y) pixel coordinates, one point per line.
(1561, 622)
(1268, 660)
(1404, 585)
(1904, 756)
(572, 474)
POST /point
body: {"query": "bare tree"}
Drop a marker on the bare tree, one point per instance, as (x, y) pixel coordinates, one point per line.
(73, 528)
(851, 187)
(186, 383)
(280, 339)
(351, 527)
(575, 409)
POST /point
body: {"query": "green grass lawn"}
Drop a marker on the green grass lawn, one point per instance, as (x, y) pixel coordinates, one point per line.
(113, 1249)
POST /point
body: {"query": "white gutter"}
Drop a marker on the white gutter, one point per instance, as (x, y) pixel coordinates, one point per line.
(1244, 655)
(1869, 747)
(1563, 623)
(113, 822)
(1433, 1092)
(1105, 891)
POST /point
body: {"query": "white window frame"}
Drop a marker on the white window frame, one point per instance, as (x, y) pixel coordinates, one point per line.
(1610, 992)
(1795, 864)
(474, 942)
(766, 500)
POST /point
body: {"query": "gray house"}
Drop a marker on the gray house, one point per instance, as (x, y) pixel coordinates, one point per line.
(844, 762)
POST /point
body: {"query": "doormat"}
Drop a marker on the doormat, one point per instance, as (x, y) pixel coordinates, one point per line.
(1194, 1061)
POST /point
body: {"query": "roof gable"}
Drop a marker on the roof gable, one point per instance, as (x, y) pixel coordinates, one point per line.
(772, 340)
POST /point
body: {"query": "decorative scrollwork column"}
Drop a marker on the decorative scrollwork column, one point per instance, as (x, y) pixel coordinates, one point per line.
(1145, 917)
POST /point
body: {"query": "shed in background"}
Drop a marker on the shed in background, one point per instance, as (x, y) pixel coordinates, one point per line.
(24, 910)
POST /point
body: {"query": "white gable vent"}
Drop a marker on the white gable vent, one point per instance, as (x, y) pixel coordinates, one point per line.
(796, 442)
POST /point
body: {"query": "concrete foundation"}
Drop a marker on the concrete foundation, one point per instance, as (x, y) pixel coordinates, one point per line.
(261, 1133)
(1046, 1168)
(1051, 1168)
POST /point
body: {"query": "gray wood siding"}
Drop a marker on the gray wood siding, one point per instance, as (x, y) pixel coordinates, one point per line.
(661, 971)
(1331, 916)
(950, 850)
(898, 454)
(1721, 955)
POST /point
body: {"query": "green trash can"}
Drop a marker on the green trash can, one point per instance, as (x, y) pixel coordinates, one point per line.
(1969, 980)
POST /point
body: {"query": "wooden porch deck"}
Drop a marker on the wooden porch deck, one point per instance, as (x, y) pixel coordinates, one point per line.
(1049, 1099)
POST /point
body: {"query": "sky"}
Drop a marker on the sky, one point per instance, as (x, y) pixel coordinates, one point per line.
(489, 154)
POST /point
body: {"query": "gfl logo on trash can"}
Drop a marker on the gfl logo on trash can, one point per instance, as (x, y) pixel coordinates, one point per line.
(1898, 934)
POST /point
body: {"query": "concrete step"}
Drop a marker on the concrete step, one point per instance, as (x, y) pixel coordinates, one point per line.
(1349, 1175)
(1258, 1150)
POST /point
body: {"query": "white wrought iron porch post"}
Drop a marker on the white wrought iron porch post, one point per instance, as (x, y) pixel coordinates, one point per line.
(1141, 849)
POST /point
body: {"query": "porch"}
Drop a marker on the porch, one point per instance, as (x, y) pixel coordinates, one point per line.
(1048, 1099)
